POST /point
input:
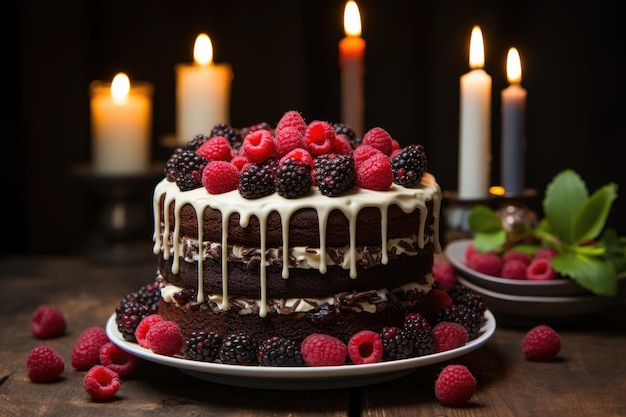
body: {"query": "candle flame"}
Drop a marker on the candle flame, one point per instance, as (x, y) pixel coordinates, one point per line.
(513, 66)
(477, 49)
(120, 88)
(496, 190)
(352, 19)
(203, 50)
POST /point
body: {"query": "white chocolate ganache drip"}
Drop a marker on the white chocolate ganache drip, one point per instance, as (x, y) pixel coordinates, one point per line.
(350, 204)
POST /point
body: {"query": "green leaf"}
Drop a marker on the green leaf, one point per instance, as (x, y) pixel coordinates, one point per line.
(483, 219)
(565, 196)
(593, 214)
(590, 272)
(487, 242)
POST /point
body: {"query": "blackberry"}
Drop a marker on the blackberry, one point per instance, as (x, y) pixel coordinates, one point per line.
(278, 351)
(334, 174)
(128, 316)
(202, 346)
(347, 131)
(229, 133)
(238, 349)
(465, 296)
(409, 166)
(397, 344)
(170, 165)
(462, 314)
(419, 329)
(188, 170)
(324, 314)
(196, 142)
(294, 178)
(257, 181)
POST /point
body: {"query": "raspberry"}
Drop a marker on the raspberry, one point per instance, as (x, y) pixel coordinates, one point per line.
(142, 328)
(300, 154)
(545, 253)
(444, 274)
(409, 166)
(540, 270)
(342, 146)
(488, 263)
(363, 153)
(287, 140)
(365, 347)
(455, 385)
(319, 138)
(86, 350)
(240, 162)
(291, 119)
(165, 338)
(380, 139)
(511, 255)
(449, 336)
(374, 173)
(47, 322)
(220, 177)
(438, 300)
(117, 360)
(397, 344)
(513, 269)
(465, 315)
(44, 364)
(101, 383)
(541, 343)
(294, 178)
(278, 351)
(230, 133)
(323, 350)
(259, 146)
(334, 174)
(216, 149)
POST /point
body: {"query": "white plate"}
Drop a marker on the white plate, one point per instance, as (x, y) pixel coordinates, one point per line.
(298, 378)
(518, 309)
(455, 252)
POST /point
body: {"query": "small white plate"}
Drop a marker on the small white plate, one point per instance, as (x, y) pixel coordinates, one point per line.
(519, 309)
(455, 252)
(299, 378)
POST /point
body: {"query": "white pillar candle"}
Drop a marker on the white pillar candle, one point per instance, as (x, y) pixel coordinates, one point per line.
(121, 125)
(351, 55)
(475, 125)
(202, 93)
(513, 129)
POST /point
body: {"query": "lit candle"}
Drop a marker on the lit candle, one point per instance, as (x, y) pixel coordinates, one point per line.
(202, 93)
(121, 125)
(513, 131)
(475, 124)
(351, 53)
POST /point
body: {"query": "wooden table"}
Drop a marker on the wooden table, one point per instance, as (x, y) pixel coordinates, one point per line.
(588, 379)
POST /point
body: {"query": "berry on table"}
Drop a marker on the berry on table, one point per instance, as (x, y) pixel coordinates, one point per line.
(101, 383)
(117, 360)
(455, 385)
(86, 350)
(323, 350)
(541, 343)
(47, 322)
(365, 347)
(44, 364)
(165, 338)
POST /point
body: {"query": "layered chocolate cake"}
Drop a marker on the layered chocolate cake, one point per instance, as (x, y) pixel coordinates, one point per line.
(353, 251)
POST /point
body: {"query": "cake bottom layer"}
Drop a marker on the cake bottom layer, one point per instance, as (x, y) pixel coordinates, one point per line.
(341, 319)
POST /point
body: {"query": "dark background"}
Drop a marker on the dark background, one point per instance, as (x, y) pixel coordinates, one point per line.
(284, 56)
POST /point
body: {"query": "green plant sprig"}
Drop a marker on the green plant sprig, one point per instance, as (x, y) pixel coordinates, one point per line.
(573, 226)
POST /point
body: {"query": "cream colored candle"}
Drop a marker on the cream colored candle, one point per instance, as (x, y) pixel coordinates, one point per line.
(121, 126)
(202, 93)
(475, 125)
(513, 129)
(351, 55)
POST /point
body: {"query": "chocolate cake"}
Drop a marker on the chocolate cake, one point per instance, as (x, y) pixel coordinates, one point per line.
(333, 260)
